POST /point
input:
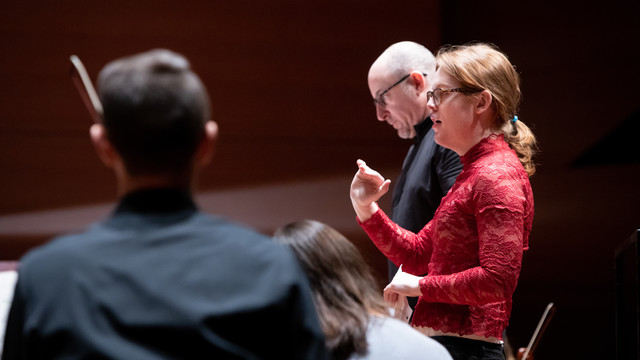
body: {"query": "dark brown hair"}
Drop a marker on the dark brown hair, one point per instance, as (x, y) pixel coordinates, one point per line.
(344, 290)
(155, 109)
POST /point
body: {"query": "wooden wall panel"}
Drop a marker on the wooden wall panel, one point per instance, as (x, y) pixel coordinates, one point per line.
(278, 72)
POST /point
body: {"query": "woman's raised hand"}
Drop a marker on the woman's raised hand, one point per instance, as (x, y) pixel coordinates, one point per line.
(366, 188)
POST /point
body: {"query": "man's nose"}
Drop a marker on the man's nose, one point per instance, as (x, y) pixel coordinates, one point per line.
(381, 112)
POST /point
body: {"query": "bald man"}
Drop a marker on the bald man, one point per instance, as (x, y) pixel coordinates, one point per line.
(398, 82)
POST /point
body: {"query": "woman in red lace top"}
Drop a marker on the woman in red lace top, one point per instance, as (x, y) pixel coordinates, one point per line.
(472, 249)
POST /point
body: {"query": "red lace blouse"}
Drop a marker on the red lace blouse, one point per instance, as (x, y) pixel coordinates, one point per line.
(472, 249)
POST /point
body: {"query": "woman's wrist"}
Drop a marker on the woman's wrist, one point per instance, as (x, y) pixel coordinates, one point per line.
(364, 213)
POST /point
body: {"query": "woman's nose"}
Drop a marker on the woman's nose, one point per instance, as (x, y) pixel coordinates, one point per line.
(431, 104)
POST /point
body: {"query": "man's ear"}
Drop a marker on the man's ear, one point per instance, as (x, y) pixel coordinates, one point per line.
(485, 99)
(103, 146)
(417, 80)
(207, 146)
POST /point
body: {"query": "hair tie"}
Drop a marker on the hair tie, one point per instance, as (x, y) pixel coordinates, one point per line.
(515, 118)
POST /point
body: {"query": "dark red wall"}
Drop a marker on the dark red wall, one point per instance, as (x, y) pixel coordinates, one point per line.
(287, 81)
(285, 77)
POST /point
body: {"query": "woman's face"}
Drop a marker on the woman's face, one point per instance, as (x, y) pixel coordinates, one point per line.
(452, 114)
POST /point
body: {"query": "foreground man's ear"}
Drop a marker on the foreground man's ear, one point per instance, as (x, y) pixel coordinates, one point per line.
(207, 146)
(101, 143)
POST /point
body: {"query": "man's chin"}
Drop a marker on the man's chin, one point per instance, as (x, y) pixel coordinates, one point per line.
(404, 134)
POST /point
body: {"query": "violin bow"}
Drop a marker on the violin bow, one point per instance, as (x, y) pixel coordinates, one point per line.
(84, 86)
(542, 326)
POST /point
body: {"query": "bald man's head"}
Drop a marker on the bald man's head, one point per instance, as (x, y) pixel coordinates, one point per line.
(398, 82)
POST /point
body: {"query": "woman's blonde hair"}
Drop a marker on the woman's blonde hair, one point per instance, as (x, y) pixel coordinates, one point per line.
(482, 66)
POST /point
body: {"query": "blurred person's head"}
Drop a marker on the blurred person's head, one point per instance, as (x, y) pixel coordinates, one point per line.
(398, 81)
(344, 290)
(156, 113)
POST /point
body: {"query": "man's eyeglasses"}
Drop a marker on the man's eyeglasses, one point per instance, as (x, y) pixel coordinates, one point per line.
(379, 100)
(436, 94)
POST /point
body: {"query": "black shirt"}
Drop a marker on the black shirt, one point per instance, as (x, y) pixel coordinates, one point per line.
(161, 280)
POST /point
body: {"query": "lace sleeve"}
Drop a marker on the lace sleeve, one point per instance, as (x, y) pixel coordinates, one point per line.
(500, 256)
(499, 202)
(401, 246)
